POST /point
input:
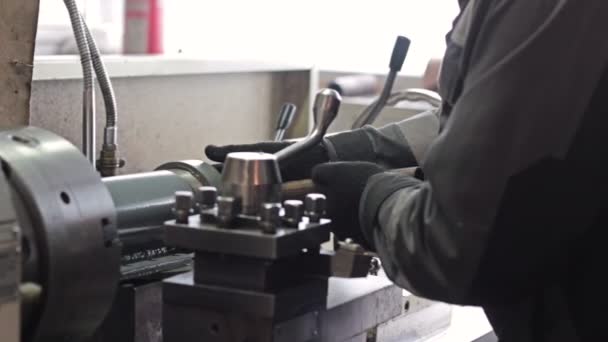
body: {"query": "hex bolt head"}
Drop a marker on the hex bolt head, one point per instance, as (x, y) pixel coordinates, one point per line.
(270, 217)
(294, 209)
(314, 207)
(207, 200)
(183, 200)
(227, 210)
(206, 197)
(183, 205)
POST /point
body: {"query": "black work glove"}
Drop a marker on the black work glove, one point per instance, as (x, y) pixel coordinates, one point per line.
(354, 145)
(298, 168)
(343, 184)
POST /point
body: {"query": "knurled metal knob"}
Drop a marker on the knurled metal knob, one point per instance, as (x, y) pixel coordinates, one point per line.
(183, 205)
(270, 217)
(294, 209)
(314, 207)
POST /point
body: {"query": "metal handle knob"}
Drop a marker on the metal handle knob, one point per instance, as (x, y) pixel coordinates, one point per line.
(325, 109)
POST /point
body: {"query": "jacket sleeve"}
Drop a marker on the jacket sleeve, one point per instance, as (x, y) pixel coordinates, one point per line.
(530, 73)
(396, 145)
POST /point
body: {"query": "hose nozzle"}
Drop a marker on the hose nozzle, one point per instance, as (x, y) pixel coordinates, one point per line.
(109, 161)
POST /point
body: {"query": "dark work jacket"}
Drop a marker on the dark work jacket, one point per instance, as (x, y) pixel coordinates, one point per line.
(512, 214)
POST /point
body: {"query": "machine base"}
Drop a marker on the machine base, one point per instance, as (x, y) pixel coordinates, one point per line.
(364, 309)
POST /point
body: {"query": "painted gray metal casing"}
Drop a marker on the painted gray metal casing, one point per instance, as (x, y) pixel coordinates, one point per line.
(10, 267)
(144, 199)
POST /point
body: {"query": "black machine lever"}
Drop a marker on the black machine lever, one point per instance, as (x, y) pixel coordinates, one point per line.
(325, 109)
(400, 50)
(286, 115)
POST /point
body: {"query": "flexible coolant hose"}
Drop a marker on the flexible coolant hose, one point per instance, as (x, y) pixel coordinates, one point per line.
(88, 101)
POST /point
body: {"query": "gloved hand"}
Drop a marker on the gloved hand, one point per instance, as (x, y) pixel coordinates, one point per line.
(343, 184)
(299, 168)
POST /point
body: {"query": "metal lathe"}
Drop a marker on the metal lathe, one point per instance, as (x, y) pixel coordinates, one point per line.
(184, 253)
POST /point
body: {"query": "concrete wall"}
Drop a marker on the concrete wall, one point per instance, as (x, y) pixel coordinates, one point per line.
(18, 21)
(164, 118)
(170, 109)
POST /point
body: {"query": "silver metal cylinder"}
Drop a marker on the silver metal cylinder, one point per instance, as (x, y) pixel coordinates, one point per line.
(253, 179)
(110, 135)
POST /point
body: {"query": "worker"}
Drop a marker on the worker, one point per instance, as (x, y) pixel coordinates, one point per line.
(512, 212)
(430, 77)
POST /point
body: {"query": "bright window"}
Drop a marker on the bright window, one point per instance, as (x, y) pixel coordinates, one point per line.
(338, 35)
(332, 34)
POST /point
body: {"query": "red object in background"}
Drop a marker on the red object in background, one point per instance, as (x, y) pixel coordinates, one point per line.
(143, 27)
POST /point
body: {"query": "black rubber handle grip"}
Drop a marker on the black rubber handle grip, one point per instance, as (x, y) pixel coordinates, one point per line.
(288, 111)
(402, 45)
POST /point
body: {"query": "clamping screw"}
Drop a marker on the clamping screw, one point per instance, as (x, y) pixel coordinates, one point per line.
(206, 197)
(293, 212)
(227, 210)
(270, 217)
(315, 207)
(207, 200)
(183, 204)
